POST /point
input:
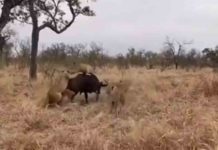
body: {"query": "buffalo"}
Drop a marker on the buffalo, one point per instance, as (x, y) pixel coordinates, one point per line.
(85, 83)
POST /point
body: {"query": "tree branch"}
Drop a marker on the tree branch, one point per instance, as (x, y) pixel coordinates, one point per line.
(53, 26)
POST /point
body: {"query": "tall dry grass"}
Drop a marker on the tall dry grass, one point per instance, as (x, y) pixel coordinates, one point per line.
(164, 110)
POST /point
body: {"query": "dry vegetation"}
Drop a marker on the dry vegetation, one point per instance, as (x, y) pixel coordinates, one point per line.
(163, 110)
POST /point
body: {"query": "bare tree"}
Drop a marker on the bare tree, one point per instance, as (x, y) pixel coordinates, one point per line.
(174, 50)
(5, 17)
(22, 50)
(75, 51)
(6, 7)
(95, 53)
(54, 53)
(136, 57)
(150, 58)
(211, 56)
(49, 14)
(5, 43)
(122, 62)
(8, 53)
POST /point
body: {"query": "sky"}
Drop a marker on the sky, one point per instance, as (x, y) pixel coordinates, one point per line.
(143, 24)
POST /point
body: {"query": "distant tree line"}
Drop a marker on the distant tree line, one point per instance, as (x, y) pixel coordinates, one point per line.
(173, 55)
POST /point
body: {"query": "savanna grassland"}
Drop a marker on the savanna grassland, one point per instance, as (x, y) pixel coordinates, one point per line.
(169, 110)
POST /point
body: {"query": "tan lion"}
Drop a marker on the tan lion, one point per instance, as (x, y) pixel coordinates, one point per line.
(117, 93)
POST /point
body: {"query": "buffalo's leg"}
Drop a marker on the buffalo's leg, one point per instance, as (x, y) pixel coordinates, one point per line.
(86, 97)
(97, 96)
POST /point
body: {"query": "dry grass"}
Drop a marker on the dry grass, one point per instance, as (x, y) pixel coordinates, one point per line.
(163, 111)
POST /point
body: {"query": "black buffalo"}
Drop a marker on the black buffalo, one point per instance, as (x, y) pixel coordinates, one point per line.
(85, 83)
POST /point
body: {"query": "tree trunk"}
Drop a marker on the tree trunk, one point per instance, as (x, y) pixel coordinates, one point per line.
(175, 59)
(4, 18)
(1, 58)
(2, 44)
(34, 51)
(176, 65)
(35, 41)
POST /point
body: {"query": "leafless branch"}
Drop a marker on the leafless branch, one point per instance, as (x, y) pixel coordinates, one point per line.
(53, 24)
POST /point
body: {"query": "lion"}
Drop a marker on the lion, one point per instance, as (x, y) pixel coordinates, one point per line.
(117, 92)
(57, 93)
(81, 68)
